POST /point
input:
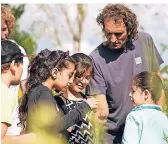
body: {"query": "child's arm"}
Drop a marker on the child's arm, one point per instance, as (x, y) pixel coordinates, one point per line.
(70, 129)
(131, 135)
(49, 118)
(22, 139)
(4, 128)
(74, 116)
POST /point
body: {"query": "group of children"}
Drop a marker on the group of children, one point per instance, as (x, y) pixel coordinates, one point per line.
(55, 108)
(39, 111)
(67, 116)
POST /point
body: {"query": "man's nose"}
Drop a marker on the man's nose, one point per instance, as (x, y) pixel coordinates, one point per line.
(113, 38)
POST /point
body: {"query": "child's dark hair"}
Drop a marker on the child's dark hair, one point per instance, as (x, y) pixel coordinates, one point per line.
(82, 64)
(149, 81)
(39, 71)
(9, 52)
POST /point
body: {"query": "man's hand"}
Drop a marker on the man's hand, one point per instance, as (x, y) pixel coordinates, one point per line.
(102, 112)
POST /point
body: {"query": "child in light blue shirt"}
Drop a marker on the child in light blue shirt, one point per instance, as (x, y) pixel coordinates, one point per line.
(146, 123)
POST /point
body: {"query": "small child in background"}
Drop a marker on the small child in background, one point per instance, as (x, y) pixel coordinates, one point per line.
(146, 123)
(82, 132)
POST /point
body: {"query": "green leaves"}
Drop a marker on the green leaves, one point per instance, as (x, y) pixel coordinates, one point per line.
(24, 39)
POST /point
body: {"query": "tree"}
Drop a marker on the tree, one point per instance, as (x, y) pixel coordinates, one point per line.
(164, 70)
(23, 38)
(60, 26)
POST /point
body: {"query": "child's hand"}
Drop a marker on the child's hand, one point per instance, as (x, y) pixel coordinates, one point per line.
(93, 103)
(69, 129)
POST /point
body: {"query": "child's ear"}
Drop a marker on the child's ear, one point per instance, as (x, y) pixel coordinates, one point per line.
(146, 93)
(54, 73)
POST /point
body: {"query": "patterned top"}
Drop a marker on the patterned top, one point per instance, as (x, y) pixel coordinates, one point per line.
(82, 132)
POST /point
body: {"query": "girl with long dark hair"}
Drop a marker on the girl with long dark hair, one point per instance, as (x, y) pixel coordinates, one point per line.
(38, 110)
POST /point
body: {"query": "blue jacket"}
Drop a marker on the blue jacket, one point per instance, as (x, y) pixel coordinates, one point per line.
(145, 124)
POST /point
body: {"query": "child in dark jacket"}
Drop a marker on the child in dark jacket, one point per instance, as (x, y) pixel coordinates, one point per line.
(39, 112)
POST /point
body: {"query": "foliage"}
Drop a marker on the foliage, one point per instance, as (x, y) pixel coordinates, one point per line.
(61, 23)
(24, 39)
(165, 138)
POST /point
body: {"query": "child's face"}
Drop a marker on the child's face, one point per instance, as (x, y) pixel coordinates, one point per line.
(64, 77)
(137, 96)
(18, 70)
(80, 83)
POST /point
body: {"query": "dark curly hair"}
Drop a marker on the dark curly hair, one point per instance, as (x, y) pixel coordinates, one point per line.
(39, 71)
(9, 52)
(117, 12)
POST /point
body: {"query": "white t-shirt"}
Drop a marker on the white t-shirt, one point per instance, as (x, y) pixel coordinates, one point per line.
(14, 129)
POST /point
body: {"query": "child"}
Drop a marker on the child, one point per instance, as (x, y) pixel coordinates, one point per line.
(11, 71)
(7, 24)
(49, 70)
(146, 123)
(81, 132)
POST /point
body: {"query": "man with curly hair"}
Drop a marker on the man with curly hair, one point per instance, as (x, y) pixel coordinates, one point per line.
(7, 25)
(116, 61)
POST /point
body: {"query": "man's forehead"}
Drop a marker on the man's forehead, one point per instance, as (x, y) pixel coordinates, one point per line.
(115, 21)
(111, 24)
